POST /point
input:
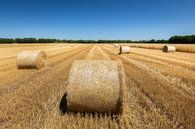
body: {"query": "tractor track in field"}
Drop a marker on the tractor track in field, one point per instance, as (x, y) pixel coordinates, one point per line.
(83, 120)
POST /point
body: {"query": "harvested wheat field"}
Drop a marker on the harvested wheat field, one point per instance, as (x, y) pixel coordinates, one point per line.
(158, 89)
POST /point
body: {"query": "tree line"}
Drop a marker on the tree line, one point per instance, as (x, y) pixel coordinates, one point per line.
(27, 40)
(182, 39)
(174, 39)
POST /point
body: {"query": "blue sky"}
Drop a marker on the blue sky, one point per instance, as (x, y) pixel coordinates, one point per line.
(97, 19)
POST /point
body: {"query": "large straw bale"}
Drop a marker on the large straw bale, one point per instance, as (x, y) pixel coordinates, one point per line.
(94, 86)
(124, 50)
(167, 48)
(31, 59)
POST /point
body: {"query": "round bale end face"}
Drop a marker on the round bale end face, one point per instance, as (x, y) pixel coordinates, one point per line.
(94, 86)
(165, 48)
(31, 59)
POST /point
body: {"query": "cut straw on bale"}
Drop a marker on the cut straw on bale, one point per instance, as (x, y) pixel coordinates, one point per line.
(94, 86)
(167, 48)
(31, 59)
(124, 50)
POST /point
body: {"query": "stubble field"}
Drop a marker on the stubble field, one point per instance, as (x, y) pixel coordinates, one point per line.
(159, 89)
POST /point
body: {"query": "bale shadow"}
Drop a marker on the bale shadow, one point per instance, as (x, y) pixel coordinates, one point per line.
(63, 104)
(27, 68)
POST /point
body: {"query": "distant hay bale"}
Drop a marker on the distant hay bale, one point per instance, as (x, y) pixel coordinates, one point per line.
(31, 59)
(116, 46)
(124, 49)
(94, 86)
(167, 48)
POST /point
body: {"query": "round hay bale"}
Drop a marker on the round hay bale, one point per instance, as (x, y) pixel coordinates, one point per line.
(167, 48)
(116, 45)
(31, 59)
(124, 50)
(94, 86)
